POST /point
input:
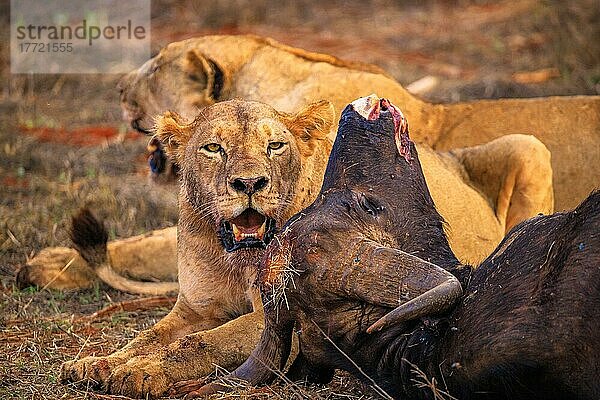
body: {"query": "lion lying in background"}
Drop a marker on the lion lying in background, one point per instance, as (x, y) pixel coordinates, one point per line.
(194, 73)
(481, 191)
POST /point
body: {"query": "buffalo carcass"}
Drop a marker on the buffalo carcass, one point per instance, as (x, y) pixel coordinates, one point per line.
(366, 276)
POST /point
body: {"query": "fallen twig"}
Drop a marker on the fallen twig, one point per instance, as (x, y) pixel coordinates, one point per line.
(374, 384)
(143, 304)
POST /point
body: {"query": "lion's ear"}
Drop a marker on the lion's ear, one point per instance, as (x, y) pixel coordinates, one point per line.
(174, 133)
(206, 73)
(311, 124)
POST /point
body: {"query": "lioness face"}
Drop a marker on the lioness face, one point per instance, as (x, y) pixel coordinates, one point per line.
(241, 165)
(177, 78)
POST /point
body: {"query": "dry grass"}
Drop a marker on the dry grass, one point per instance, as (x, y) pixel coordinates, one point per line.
(472, 47)
(38, 336)
(38, 333)
(421, 380)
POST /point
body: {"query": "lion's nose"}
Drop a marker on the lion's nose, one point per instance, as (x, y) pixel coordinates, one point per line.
(249, 186)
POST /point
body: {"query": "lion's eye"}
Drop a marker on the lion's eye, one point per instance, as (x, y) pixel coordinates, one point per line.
(276, 145)
(212, 148)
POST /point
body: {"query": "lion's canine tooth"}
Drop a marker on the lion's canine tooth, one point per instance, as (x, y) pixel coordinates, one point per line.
(236, 232)
(261, 231)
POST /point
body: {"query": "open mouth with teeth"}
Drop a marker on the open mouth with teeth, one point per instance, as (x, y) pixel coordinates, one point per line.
(250, 229)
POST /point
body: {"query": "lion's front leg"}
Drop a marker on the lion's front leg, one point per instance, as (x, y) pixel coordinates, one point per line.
(190, 357)
(96, 371)
(514, 171)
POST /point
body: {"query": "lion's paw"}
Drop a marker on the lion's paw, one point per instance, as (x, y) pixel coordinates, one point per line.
(140, 377)
(92, 371)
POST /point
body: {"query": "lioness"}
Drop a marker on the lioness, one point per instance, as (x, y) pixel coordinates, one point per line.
(194, 73)
(512, 173)
(245, 169)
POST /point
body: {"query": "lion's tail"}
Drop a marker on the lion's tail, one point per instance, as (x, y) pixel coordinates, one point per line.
(89, 238)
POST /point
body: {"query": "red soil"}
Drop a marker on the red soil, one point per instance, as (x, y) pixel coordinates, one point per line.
(83, 136)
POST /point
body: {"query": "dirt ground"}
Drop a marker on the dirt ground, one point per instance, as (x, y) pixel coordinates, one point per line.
(63, 144)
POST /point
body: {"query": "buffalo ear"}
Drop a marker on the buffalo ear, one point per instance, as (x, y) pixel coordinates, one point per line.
(311, 124)
(207, 74)
(174, 132)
